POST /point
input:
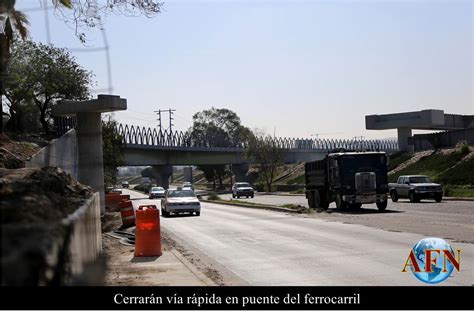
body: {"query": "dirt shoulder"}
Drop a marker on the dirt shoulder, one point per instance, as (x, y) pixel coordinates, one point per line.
(177, 266)
(169, 269)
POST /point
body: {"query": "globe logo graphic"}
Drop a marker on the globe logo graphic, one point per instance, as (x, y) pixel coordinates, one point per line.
(438, 274)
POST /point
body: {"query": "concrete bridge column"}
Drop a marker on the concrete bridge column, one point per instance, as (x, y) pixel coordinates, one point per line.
(89, 136)
(188, 174)
(162, 174)
(240, 172)
(403, 135)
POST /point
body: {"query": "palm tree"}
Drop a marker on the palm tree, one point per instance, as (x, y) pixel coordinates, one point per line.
(13, 22)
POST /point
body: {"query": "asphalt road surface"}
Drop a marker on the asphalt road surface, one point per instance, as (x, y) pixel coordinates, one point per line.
(269, 248)
(449, 219)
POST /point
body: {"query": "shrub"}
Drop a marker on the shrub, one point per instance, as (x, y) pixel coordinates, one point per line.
(145, 188)
(463, 147)
(213, 196)
(447, 190)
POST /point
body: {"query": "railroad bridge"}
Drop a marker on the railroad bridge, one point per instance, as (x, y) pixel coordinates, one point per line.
(162, 149)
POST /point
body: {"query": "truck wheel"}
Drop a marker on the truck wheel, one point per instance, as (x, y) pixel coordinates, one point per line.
(382, 205)
(340, 204)
(311, 199)
(324, 204)
(394, 195)
(412, 197)
(438, 197)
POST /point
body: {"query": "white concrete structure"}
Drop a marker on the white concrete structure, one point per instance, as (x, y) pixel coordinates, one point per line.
(430, 119)
(89, 136)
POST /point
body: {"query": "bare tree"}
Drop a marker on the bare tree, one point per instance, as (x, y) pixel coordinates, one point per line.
(84, 14)
(263, 150)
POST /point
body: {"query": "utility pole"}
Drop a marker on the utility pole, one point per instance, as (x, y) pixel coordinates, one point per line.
(171, 111)
(171, 118)
(358, 138)
(170, 127)
(159, 118)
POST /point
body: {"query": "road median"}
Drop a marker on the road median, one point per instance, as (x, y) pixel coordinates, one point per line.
(254, 205)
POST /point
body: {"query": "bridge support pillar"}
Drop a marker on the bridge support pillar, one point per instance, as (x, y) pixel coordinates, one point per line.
(89, 136)
(403, 135)
(162, 174)
(240, 172)
(188, 174)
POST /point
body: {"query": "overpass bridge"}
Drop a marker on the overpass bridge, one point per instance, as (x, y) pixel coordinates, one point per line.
(162, 149)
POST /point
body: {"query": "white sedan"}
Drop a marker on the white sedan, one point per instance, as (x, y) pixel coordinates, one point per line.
(180, 201)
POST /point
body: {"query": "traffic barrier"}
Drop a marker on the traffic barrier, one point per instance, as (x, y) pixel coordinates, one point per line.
(112, 201)
(147, 232)
(127, 213)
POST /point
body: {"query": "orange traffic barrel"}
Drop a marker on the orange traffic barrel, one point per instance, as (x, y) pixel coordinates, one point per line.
(147, 232)
(127, 213)
(112, 201)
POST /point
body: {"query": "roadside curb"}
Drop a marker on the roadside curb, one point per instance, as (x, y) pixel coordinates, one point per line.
(458, 199)
(202, 277)
(263, 207)
(279, 194)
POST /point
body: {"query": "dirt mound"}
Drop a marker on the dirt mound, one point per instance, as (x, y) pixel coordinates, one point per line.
(33, 203)
(13, 154)
(39, 194)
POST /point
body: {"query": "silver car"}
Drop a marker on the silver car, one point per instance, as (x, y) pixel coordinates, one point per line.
(157, 192)
(180, 201)
(242, 189)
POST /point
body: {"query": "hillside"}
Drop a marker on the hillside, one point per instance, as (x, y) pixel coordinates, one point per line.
(450, 167)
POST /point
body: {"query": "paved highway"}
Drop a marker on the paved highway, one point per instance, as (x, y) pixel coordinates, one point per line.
(449, 219)
(270, 248)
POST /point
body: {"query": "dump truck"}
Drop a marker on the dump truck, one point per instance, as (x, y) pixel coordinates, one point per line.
(348, 178)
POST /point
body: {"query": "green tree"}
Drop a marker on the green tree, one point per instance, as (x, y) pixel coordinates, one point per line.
(44, 74)
(14, 23)
(112, 150)
(147, 172)
(263, 151)
(218, 127)
(78, 14)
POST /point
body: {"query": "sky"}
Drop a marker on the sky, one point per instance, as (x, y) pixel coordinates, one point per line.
(293, 68)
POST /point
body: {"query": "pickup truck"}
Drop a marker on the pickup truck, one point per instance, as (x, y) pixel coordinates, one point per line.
(415, 188)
